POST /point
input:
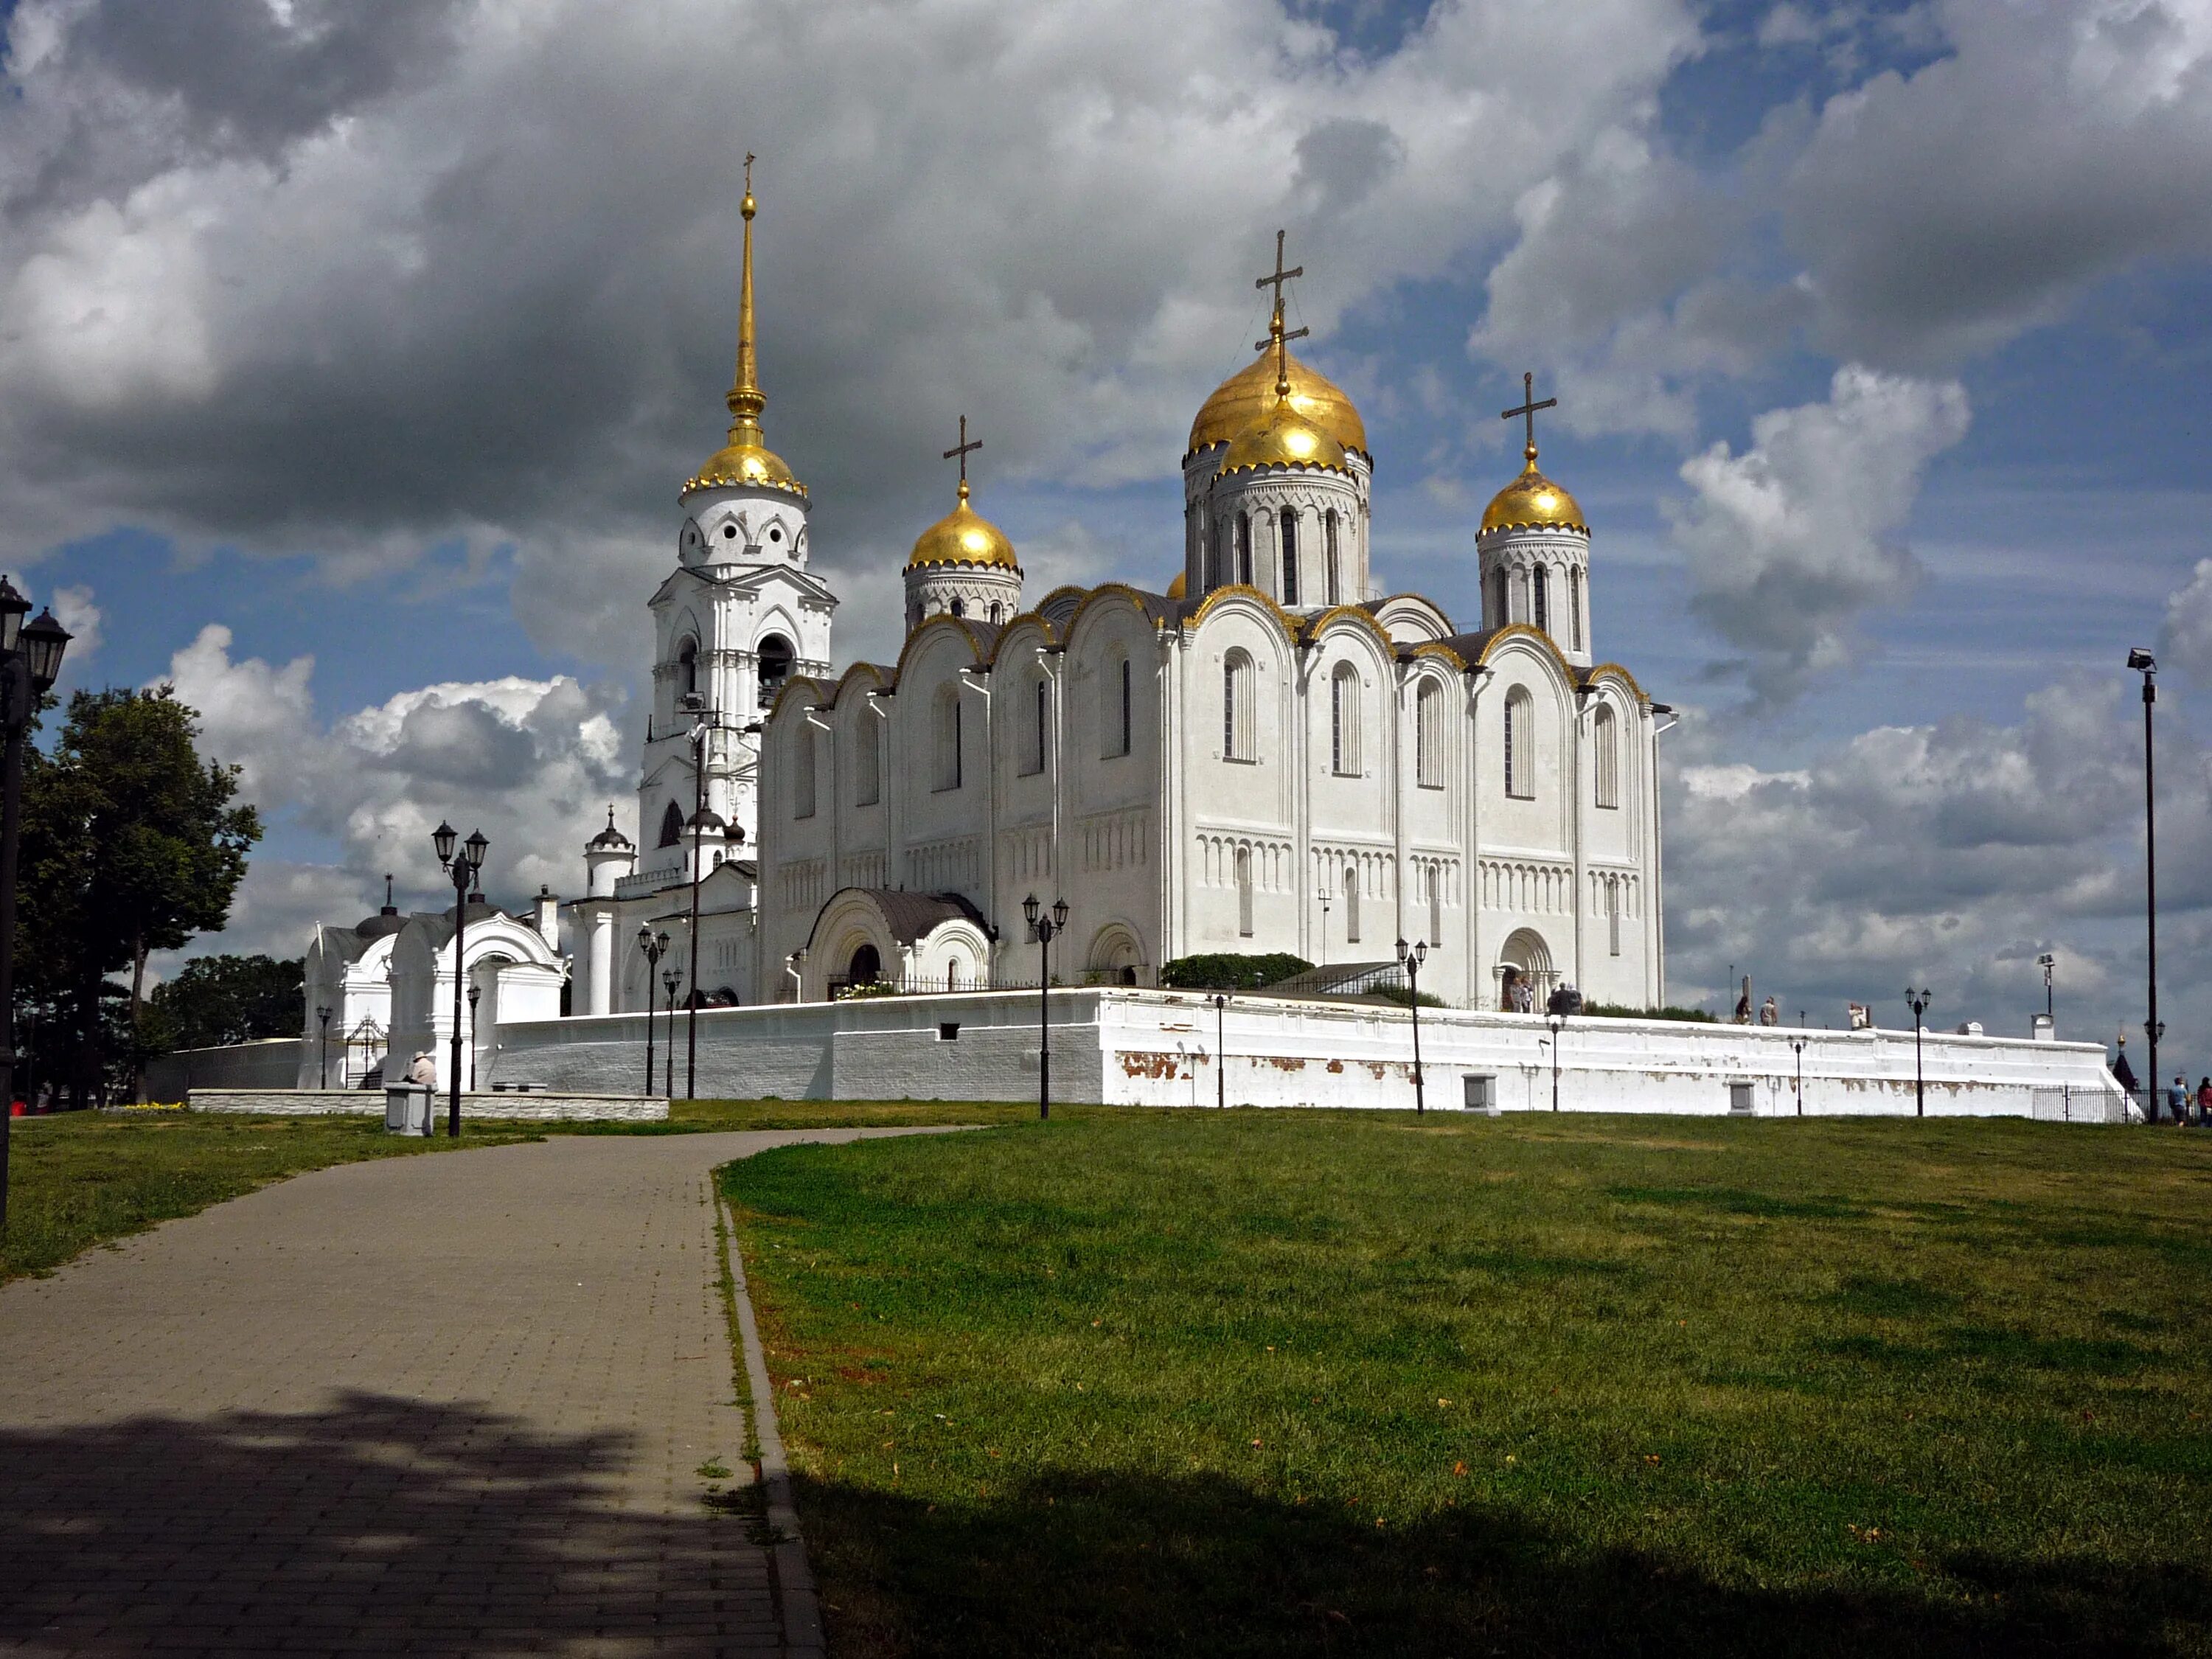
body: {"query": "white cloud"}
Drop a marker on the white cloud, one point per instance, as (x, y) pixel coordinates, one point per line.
(1790, 541)
(2188, 644)
(76, 609)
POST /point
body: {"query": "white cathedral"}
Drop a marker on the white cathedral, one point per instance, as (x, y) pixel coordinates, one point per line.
(1272, 754)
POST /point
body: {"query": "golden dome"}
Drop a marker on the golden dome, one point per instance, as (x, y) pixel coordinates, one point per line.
(1248, 396)
(1532, 501)
(741, 463)
(744, 458)
(1178, 587)
(1282, 437)
(962, 536)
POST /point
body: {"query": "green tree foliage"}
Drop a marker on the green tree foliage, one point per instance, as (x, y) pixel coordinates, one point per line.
(215, 1000)
(130, 844)
(1231, 970)
(1622, 1011)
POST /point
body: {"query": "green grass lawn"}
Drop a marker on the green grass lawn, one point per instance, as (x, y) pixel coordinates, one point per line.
(83, 1178)
(1297, 1382)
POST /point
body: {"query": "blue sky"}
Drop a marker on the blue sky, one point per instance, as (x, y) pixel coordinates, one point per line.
(380, 337)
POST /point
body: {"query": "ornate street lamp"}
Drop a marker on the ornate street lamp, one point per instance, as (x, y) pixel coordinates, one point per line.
(464, 864)
(1220, 1051)
(2048, 963)
(323, 1019)
(1321, 897)
(653, 949)
(476, 992)
(1043, 926)
(2146, 664)
(1557, 1022)
(1919, 1001)
(1798, 1044)
(30, 662)
(1410, 958)
(671, 977)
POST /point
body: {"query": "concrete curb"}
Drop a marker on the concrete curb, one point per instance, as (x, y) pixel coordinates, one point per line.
(796, 1599)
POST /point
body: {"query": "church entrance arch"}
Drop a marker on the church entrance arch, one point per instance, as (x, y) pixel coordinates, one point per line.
(1525, 973)
(865, 967)
(1116, 957)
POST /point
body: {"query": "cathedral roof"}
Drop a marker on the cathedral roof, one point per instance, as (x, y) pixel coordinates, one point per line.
(1532, 501)
(1248, 396)
(1282, 437)
(609, 839)
(746, 460)
(911, 917)
(964, 536)
(384, 921)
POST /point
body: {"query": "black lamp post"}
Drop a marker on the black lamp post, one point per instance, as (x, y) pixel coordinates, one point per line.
(654, 947)
(1410, 958)
(1220, 1051)
(703, 720)
(671, 977)
(1557, 1022)
(30, 660)
(323, 1019)
(2146, 664)
(1798, 1044)
(476, 992)
(2047, 962)
(1919, 1002)
(464, 864)
(1043, 927)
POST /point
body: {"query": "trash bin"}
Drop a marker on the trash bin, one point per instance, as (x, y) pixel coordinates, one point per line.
(407, 1108)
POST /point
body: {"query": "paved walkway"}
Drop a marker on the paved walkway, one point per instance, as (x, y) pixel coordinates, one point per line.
(449, 1404)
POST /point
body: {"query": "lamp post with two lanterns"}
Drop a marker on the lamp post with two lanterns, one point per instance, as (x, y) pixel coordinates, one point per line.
(465, 864)
(30, 662)
(2146, 664)
(654, 945)
(1919, 1001)
(1043, 926)
(1410, 958)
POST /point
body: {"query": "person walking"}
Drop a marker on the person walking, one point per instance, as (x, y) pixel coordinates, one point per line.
(2125, 1075)
(2177, 1097)
(2204, 1102)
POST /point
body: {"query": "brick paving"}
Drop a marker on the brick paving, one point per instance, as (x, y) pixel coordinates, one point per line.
(438, 1406)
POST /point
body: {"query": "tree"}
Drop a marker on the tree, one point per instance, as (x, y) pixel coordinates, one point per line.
(215, 1000)
(130, 844)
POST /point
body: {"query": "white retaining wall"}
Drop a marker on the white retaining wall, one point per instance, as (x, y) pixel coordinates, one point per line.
(1129, 1047)
(272, 1063)
(547, 1107)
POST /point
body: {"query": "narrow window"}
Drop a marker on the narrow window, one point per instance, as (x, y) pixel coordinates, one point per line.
(1520, 781)
(1217, 557)
(948, 737)
(687, 668)
(1040, 701)
(1607, 731)
(1499, 616)
(1575, 605)
(1335, 577)
(1237, 712)
(802, 769)
(1351, 904)
(1244, 892)
(1429, 736)
(868, 763)
(1244, 548)
(1289, 521)
(1613, 910)
(959, 607)
(1129, 709)
(1540, 589)
(671, 825)
(1436, 887)
(1344, 721)
(772, 657)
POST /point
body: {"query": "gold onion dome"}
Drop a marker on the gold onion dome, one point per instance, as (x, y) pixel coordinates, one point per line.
(964, 536)
(746, 460)
(1178, 587)
(1532, 501)
(1282, 437)
(1247, 396)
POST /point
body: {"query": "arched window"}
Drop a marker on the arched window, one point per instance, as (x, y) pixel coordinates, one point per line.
(1429, 736)
(1351, 904)
(687, 669)
(1433, 879)
(1612, 912)
(1040, 725)
(1236, 707)
(1607, 730)
(1500, 614)
(1216, 555)
(1575, 605)
(1520, 746)
(1244, 892)
(1289, 523)
(995, 611)
(1344, 721)
(1539, 592)
(802, 769)
(948, 737)
(1244, 548)
(959, 606)
(1335, 574)
(773, 658)
(1128, 707)
(671, 825)
(867, 759)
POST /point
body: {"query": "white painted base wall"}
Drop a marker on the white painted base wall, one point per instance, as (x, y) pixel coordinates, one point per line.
(1143, 1047)
(547, 1107)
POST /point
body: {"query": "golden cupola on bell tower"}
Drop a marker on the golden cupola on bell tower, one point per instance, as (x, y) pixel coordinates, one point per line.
(1532, 549)
(745, 459)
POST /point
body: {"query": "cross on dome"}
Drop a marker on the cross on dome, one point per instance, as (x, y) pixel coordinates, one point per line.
(1276, 335)
(963, 449)
(1528, 410)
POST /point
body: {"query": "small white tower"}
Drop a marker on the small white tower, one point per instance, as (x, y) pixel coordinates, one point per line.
(1533, 552)
(608, 857)
(962, 565)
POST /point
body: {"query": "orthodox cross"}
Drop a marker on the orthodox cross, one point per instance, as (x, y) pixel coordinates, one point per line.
(961, 449)
(1276, 335)
(749, 173)
(1528, 410)
(1280, 276)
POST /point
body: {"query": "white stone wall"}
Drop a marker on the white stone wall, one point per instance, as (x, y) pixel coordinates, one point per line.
(370, 1102)
(1158, 1048)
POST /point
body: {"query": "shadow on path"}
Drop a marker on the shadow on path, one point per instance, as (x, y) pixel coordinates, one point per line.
(378, 1526)
(1127, 1565)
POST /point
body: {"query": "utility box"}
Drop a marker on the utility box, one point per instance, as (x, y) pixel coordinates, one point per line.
(407, 1108)
(1739, 1100)
(1481, 1092)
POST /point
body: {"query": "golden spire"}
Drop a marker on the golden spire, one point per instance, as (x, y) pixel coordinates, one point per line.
(746, 399)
